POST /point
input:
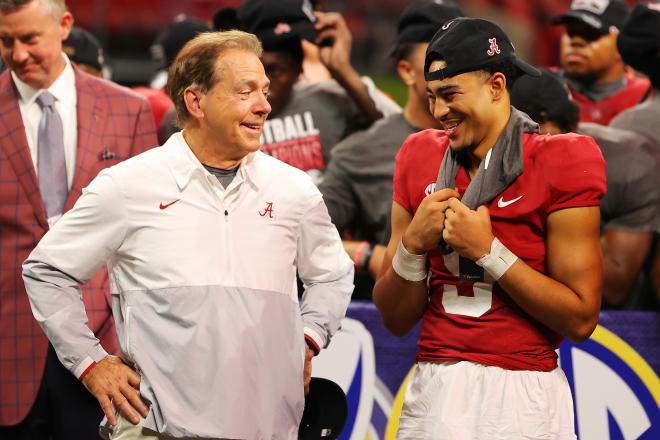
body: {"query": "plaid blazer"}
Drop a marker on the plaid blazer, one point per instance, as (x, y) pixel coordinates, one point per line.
(113, 124)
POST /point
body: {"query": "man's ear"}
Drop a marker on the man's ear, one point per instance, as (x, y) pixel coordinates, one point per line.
(405, 70)
(193, 99)
(497, 85)
(66, 23)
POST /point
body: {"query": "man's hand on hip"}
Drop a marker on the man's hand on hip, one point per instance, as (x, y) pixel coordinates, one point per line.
(307, 376)
(113, 383)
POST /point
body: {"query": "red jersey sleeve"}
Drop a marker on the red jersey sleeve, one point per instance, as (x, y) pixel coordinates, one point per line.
(574, 170)
(401, 194)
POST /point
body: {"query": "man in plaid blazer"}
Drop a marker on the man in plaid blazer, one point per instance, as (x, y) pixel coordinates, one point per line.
(106, 123)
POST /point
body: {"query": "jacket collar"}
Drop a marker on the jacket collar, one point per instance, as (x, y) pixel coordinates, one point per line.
(184, 164)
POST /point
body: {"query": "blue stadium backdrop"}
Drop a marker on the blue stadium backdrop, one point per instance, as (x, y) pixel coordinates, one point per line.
(613, 375)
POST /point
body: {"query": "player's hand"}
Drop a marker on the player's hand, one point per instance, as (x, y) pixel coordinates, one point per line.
(425, 229)
(113, 383)
(332, 26)
(307, 376)
(468, 232)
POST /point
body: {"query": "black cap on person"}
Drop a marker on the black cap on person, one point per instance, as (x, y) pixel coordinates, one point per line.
(545, 98)
(279, 17)
(422, 19)
(175, 35)
(639, 40)
(599, 14)
(471, 44)
(83, 48)
(326, 411)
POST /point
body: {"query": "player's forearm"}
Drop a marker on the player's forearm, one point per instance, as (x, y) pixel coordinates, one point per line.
(401, 303)
(376, 260)
(350, 80)
(623, 256)
(572, 314)
(617, 281)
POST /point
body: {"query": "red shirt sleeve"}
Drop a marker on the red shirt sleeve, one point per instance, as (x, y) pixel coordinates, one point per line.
(401, 169)
(574, 170)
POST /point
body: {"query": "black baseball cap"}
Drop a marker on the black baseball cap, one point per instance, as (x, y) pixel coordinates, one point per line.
(83, 48)
(639, 40)
(226, 19)
(470, 44)
(545, 98)
(175, 35)
(422, 19)
(326, 411)
(602, 15)
(263, 16)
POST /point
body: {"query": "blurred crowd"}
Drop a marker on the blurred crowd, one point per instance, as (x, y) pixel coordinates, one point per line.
(344, 131)
(331, 116)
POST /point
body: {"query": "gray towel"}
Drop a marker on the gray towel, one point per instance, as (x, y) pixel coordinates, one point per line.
(501, 166)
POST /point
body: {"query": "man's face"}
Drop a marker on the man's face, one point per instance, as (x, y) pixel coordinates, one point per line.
(586, 53)
(236, 107)
(283, 73)
(31, 43)
(462, 105)
(416, 59)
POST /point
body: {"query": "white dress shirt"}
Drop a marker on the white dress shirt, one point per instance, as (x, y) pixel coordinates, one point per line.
(203, 282)
(66, 99)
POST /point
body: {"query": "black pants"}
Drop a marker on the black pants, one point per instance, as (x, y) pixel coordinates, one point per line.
(63, 410)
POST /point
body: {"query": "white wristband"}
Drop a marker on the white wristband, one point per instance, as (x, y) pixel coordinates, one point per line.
(498, 261)
(409, 266)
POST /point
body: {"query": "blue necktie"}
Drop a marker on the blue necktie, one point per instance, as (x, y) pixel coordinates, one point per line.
(51, 162)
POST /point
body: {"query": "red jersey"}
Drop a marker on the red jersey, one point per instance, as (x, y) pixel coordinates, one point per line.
(160, 102)
(602, 112)
(478, 321)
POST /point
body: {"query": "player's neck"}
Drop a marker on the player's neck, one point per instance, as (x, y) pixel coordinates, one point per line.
(476, 155)
(612, 73)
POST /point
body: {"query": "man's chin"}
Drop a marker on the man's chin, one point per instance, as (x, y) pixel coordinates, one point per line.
(581, 77)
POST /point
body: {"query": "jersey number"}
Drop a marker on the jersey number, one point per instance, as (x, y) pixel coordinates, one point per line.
(455, 303)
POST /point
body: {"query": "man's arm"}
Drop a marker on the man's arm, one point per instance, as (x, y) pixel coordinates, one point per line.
(401, 303)
(326, 272)
(655, 275)
(68, 255)
(567, 300)
(623, 255)
(337, 58)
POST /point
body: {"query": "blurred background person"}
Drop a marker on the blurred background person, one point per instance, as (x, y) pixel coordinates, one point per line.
(308, 120)
(85, 51)
(592, 64)
(630, 210)
(639, 44)
(357, 187)
(60, 127)
(163, 51)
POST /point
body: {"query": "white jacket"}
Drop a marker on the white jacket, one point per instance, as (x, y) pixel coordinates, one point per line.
(203, 285)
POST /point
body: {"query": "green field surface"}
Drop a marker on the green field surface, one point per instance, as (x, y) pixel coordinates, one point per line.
(393, 86)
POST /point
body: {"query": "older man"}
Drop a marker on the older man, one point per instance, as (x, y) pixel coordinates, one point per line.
(59, 127)
(203, 238)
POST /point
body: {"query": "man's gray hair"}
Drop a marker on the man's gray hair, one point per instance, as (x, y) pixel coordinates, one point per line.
(55, 7)
(195, 65)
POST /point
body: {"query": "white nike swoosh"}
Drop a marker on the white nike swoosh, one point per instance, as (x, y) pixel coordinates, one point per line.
(502, 204)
